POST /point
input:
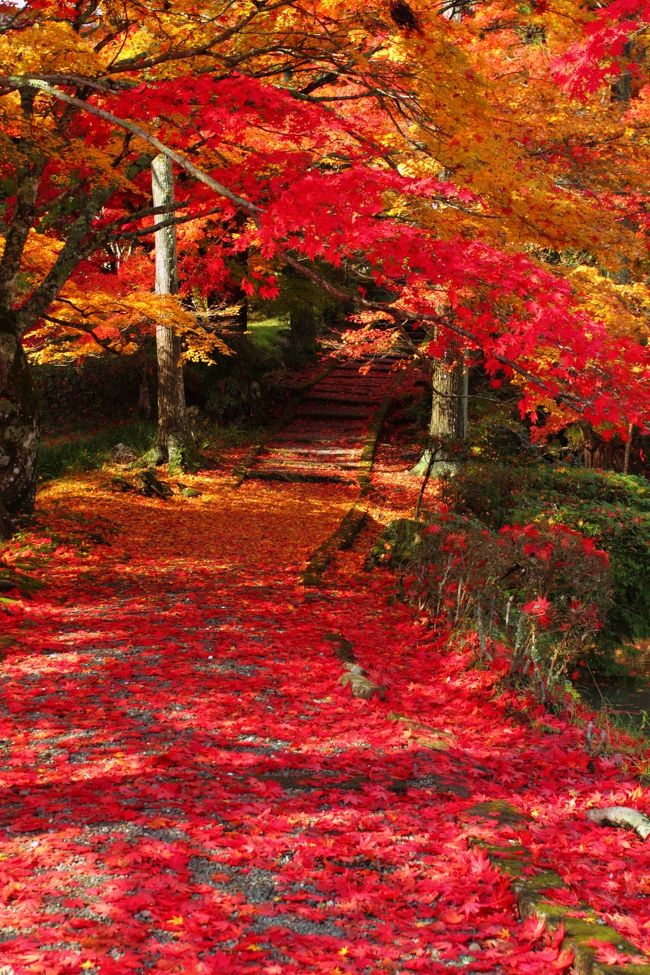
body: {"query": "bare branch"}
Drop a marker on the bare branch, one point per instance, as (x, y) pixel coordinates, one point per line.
(621, 816)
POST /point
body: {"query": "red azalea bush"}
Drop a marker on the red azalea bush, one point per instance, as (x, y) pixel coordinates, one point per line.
(541, 590)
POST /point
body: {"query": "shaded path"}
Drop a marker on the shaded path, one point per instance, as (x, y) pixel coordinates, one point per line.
(187, 788)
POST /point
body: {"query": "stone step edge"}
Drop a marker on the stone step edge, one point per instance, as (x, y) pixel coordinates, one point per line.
(367, 458)
(298, 477)
(340, 539)
(512, 861)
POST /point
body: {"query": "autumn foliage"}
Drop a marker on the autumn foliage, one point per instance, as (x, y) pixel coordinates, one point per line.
(435, 160)
(188, 784)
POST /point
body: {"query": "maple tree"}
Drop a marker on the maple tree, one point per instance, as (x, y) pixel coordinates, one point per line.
(190, 785)
(174, 436)
(356, 137)
(594, 148)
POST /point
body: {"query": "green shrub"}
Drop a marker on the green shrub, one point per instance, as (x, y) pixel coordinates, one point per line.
(238, 387)
(269, 339)
(498, 436)
(495, 492)
(88, 452)
(485, 491)
(612, 509)
(540, 592)
(624, 533)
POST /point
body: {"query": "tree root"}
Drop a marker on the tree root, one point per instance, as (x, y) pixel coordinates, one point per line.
(144, 482)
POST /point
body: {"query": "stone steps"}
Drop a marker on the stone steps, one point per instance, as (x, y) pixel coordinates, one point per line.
(326, 436)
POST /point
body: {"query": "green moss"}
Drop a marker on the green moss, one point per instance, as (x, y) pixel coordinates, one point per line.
(269, 337)
(579, 930)
(87, 452)
(497, 809)
(546, 880)
(397, 543)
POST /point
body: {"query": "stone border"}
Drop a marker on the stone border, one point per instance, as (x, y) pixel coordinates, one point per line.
(367, 458)
(340, 539)
(513, 860)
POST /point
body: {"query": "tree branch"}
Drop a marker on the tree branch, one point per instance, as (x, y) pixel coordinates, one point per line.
(155, 227)
(104, 344)
(621, 816)
(140, 133)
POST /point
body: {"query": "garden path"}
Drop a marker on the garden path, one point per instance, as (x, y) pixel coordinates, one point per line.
(188, 788)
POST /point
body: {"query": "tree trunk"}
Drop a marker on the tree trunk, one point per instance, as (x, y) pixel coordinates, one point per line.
(622, 86)
(242, 314)
(449, 409)
(174, 440)
(628, 448)
(19, 427)
(448, 422)
(303, 322)
(144, 399)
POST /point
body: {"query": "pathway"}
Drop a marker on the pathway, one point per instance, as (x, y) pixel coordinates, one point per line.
(189, 789)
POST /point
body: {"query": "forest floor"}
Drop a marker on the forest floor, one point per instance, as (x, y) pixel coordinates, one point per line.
(189, 788)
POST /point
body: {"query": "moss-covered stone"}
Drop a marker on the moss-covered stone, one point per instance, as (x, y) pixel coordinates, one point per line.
(500, 810)
(579, 931)
(342, 538)
(580, 922)
(545, 880)
(370, 446)
(397, 543)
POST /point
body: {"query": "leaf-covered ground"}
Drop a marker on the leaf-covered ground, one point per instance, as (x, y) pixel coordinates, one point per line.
(187, 787)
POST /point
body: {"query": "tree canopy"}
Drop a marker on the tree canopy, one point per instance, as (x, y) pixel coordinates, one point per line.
(479, 169)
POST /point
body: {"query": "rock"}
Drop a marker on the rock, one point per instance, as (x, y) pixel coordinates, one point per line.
(13, 581)
(121, 453)
(621, 816)
(186, 491)
(150, 485)
(360, 684)
(143, 482)
(121, 484)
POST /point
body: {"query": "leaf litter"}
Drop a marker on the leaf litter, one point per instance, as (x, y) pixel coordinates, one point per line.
(189, 788)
